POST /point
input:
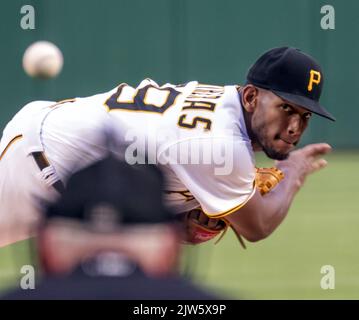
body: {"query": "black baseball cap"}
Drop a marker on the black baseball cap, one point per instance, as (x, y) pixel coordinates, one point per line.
(115, 193)
(292, 75)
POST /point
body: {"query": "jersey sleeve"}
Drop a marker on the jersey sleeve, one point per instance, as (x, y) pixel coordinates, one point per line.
(219, 172)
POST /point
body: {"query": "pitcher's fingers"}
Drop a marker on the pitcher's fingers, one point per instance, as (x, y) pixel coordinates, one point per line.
(319, 164)
(316, 149)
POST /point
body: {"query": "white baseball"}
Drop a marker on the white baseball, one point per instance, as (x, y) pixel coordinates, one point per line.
(43, 59)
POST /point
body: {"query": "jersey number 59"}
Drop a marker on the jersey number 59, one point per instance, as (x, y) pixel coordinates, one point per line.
(149, 98)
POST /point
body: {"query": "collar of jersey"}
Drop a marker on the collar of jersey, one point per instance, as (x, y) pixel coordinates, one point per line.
(242, 124)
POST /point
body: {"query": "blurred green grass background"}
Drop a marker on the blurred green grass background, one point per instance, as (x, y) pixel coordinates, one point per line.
(321, 229)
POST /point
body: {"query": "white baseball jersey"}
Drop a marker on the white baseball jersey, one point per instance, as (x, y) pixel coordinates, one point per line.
(195, 132)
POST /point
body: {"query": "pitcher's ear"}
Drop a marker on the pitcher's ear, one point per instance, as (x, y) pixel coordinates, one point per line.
(249, 97)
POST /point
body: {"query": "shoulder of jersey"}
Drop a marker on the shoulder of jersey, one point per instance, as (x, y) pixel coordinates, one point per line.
(228, 113)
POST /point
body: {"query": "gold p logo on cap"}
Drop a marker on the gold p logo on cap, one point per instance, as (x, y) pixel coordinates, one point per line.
(315, 77)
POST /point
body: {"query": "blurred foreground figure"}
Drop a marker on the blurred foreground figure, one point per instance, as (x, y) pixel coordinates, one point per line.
(109, 236)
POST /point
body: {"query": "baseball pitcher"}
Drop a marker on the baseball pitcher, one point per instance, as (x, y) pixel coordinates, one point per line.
(202, 136)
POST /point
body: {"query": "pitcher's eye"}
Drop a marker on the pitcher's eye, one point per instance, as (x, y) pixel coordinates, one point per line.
(286, 107)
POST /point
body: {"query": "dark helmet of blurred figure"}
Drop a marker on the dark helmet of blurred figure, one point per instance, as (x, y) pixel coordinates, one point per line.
(112, 212)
